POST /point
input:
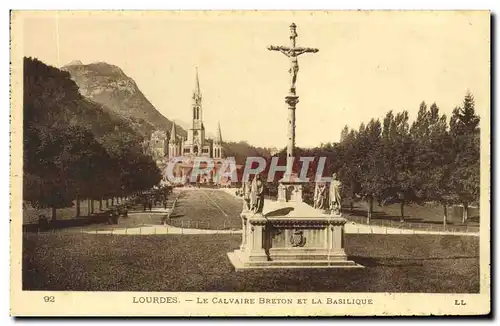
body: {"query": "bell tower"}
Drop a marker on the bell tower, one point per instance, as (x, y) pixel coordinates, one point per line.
(173, 143)
(198, 128)
(196, 144)
(217, 149)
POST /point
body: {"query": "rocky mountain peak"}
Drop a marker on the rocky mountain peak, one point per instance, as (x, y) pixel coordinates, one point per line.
(74, 63)
(108, 85)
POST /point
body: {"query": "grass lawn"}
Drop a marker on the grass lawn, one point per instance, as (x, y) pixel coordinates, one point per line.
(395, 263)
(428, 217)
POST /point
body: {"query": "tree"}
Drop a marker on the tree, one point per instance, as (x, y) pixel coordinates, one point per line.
(398, 154)
(48, 168)
(465, 176)
(432, 144)
(348, 162)
(371, 164)
(133, 171)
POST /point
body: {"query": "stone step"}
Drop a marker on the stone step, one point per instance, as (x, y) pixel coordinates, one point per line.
(240, 262)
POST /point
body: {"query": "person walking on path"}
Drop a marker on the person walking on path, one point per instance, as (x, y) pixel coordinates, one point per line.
(150, 203)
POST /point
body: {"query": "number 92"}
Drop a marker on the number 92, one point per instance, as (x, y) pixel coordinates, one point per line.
(50, 298)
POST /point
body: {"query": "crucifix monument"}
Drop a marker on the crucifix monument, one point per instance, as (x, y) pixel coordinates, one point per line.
(289, 233)
(292, 52)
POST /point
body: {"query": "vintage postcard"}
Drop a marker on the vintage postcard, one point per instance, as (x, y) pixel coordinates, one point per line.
(260, 163)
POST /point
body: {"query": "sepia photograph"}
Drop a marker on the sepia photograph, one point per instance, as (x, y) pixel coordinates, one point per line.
(179, 163)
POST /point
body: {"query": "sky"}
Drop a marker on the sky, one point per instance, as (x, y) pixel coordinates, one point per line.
(368, 63)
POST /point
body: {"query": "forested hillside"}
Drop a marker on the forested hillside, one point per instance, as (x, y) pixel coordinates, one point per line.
(74, 147)
(241, 150)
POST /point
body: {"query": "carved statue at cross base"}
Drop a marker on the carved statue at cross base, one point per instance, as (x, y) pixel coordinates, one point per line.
(246, 189)
(319, 195)
(335, 197)
(257, 195)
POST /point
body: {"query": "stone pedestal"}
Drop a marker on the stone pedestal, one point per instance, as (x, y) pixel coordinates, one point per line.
(293, 235)
(290, 192)
(290, 189)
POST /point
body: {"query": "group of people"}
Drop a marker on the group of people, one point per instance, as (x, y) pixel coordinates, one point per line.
(156, 197)
(147, 202)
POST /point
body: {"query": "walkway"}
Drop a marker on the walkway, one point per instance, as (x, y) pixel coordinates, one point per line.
(161, 229)
(350, 228)
(355, 228)
(149, 228)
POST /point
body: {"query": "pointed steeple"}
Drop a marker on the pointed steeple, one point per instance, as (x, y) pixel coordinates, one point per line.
(219, 134)
(173, 135)
(197, 90)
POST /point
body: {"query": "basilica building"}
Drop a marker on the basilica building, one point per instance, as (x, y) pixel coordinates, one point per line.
(163, 148)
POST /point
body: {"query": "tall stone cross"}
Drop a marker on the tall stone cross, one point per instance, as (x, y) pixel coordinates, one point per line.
(292, 52)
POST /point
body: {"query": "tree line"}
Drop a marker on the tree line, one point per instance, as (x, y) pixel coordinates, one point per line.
(74, 148)
(432, 159)
(429, 160)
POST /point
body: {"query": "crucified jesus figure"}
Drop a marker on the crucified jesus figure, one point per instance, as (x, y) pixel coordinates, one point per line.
(292, 53)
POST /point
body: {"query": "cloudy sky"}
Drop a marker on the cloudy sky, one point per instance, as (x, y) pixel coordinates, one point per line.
(368, 63)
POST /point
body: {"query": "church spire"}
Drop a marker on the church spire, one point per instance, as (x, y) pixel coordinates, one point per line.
(173, 135)
(197, 90)
(219, 134)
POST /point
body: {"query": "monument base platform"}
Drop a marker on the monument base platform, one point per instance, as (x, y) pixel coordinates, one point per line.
(241, 262)
(291, 235)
